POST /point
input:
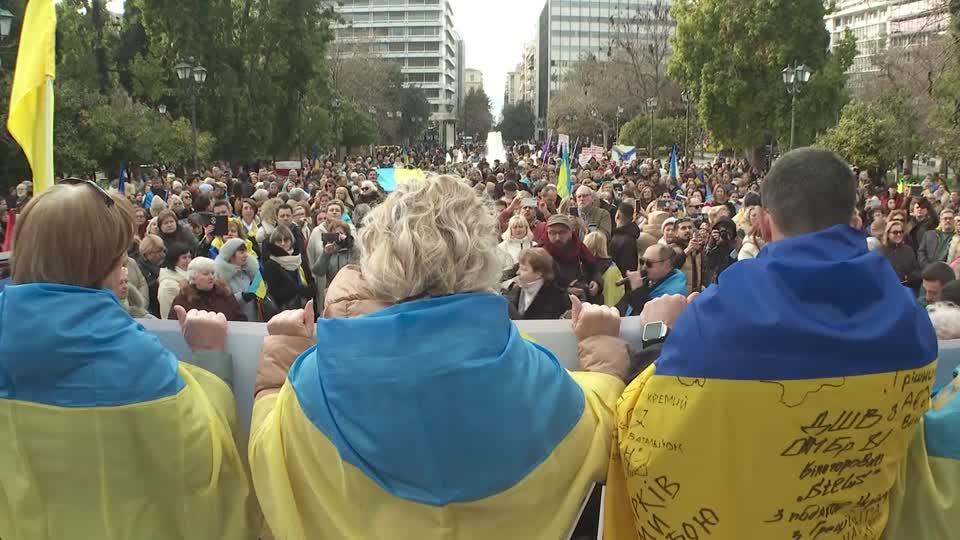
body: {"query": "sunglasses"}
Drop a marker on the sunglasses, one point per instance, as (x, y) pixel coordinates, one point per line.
(649, 263)
(896, 232)
(107, 199)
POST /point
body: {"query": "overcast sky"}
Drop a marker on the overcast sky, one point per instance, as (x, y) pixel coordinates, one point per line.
(494, 32)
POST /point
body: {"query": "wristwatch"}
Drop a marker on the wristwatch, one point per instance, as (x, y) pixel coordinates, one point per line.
(654, 333)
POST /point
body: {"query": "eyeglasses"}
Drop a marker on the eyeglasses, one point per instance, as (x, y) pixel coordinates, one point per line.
(649, 263)
(896, 233)
(107, 199)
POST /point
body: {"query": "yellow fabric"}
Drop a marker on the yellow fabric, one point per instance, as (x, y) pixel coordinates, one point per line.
(31, 102)
(295, 467)
(409, 176)
(166, 469)
(926, 496)
(734, 460)
(612, 293)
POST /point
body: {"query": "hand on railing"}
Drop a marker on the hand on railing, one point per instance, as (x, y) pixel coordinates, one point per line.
(204, 331)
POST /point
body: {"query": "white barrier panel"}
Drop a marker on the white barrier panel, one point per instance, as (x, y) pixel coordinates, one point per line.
(244, 341)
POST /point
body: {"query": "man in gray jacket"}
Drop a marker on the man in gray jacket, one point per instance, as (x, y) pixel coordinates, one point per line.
(935, 245)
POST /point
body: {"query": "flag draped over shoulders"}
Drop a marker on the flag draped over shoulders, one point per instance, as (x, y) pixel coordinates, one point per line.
(105, 434)
(444, 426)
(792, 415)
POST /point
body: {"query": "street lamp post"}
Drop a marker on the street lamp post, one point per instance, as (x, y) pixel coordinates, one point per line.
(794, 77)
(162, 108)
(652, 105)
(6, 21)
(619, 114)
(685, 96)
(194, 76)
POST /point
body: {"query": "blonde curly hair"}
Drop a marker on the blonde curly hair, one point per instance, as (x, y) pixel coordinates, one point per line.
(434, 237)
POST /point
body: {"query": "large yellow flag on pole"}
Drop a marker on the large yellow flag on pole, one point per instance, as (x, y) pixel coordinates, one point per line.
(31, 101)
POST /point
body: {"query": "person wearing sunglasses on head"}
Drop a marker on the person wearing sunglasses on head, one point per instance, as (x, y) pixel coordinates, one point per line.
(106, 434)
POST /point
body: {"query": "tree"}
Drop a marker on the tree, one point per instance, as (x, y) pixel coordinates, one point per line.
(416, 111)
(518, 122)
(476, 117)
(729, 55)
(357, 126)
(640, 46)
(866, 137)
(666, 132)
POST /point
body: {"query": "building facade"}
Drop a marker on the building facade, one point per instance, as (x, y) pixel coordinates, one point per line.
(420, 36)
(574, 30)
(879, 24)
(473, 80)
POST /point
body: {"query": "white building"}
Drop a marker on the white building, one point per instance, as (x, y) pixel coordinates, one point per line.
(473, 81)
(878, 24)
(420, 36)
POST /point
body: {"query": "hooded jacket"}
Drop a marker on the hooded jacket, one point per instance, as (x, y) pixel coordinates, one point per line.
(170, 282)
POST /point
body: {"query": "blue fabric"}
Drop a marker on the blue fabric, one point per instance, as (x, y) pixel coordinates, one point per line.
(675, 283)
(811, 306)
(387, 178)
(438, 401)
(941, 428)
(148, 199)
(4, 283)
(75, 347)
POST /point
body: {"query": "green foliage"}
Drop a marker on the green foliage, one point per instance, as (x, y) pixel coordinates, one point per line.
(666, 132)
(518, 122)
(476, 117)
(866, 137)
(416, 111)
(357, 127)
(729, 55)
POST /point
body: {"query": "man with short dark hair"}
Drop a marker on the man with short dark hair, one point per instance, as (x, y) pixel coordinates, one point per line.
(221, 208)
(813, 345)
(623, 243)
(924, 219)
(691, 262)
(935, 276)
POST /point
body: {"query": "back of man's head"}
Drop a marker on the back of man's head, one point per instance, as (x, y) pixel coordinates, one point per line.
(938, 271)
(951, 292)
(809, 190)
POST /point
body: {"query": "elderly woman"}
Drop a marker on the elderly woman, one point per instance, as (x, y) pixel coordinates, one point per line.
(237, 267)
(107, 434)
(516, 238)
(205, 292)
(430, 409)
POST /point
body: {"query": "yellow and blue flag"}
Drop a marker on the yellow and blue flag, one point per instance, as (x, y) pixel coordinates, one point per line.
(105, 433)
(790, 419)
(563, 175)
(389, 178)
(447, 425)
(259, 287)
(673, 163)
(31, 99)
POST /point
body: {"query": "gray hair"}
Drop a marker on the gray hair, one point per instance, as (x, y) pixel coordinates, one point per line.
(945, 317)
(260, 195)
(298, 194)
(435, 237)
(199, 265)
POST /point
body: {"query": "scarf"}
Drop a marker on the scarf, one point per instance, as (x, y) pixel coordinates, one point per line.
(573, 251)
(528, 292)
(290, 263)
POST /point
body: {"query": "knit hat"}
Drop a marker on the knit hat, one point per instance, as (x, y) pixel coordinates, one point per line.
(230, 248)
(657, 219)
(669, 221)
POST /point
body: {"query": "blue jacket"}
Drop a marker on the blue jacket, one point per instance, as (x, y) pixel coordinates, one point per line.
(675, 283)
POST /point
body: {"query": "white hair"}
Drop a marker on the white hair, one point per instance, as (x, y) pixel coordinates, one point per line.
(199, 265)
(945, 317)
(433, 237)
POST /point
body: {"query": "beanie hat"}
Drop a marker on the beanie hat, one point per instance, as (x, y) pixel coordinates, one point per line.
(230, 248)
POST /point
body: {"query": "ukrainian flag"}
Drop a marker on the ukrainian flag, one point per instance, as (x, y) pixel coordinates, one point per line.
(924, 502)
(563, 175)
(104, 433)
(430, 419)
(389, 178)
(259, 287)
(782, 404)
(31, 100)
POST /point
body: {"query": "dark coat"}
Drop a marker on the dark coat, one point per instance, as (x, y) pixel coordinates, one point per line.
(905, 264)
(151, 273)
(550, 303)
(623, 247)
(920, 229)
(285, 287)
(218, 300)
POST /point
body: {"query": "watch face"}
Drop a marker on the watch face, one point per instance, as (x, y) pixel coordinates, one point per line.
(653, 331)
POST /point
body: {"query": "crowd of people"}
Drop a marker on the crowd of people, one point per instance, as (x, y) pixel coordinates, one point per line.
(765, 315)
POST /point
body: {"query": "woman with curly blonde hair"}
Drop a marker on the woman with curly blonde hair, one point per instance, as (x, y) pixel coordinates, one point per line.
(431, 408)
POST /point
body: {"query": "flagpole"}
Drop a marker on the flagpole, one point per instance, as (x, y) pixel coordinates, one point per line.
(48, 138)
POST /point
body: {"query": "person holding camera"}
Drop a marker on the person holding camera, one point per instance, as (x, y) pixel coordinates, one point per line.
(576, 266)
(658, 277)
(691, 241)
(720, 252)
(328, 253)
